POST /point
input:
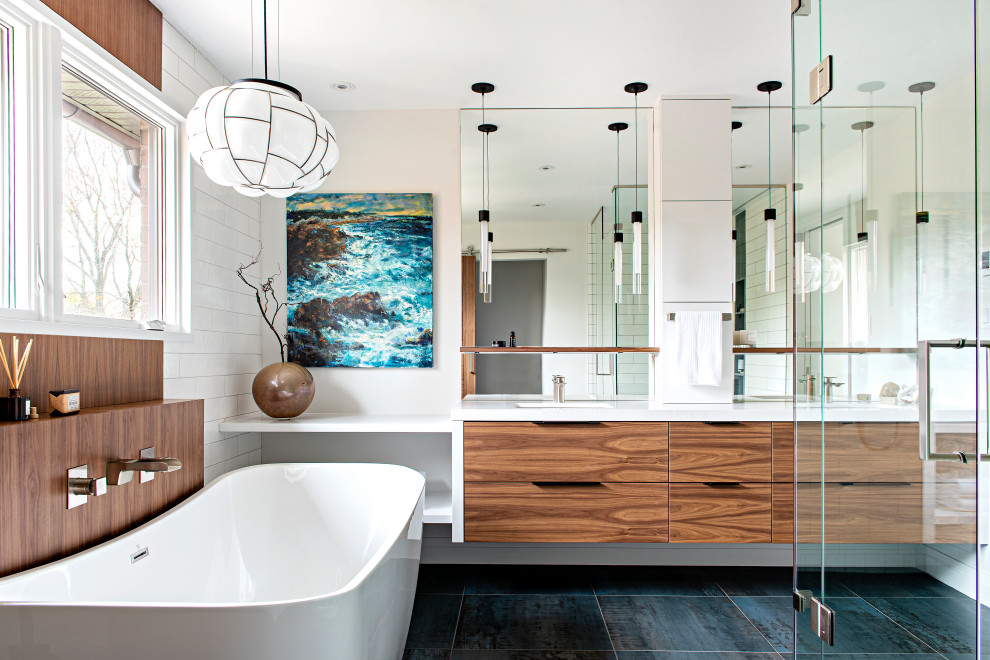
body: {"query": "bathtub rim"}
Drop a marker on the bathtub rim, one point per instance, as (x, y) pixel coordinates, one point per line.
(369, 567)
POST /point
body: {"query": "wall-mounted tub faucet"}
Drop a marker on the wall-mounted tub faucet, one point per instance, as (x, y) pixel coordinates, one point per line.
(121, 472)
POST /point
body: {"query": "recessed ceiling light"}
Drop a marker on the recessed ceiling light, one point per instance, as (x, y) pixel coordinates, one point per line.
(344, 86)
(743, 167)
(540, 204)
(547, 168)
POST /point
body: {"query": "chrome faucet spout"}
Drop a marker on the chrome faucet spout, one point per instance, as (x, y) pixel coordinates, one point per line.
(121, 472)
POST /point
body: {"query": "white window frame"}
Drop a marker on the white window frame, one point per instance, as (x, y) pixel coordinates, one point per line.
(49, 43)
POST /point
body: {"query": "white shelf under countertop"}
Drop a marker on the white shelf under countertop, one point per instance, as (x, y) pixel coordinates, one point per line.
(338, 423)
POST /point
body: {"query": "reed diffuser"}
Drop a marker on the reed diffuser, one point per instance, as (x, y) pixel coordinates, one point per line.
(15, 407)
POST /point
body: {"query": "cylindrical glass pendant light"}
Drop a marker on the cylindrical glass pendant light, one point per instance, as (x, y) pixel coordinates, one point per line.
(770, 214)
(617, 128)
(617, 267)
(484, 215)
(636, 218)
(921, 215)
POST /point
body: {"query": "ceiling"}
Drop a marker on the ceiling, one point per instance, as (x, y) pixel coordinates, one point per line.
(538, 53)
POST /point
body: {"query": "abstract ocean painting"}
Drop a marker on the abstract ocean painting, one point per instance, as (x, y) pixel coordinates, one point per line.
(360, 279)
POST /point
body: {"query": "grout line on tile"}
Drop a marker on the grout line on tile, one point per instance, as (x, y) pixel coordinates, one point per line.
(594, 591)
(755, 627)
(457, 623)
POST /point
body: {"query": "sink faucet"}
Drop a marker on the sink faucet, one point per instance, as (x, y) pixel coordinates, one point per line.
(809, 378)
(828, 384)
(121, 472)
(558, 388)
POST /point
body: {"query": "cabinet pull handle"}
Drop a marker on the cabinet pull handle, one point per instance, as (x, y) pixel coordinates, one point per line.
(722, 423)
(566, 423)
(721, 484)
(543, 484)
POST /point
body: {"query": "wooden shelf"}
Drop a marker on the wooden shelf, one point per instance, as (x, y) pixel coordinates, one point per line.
(649, 350)
(787, 350)
(338, 423)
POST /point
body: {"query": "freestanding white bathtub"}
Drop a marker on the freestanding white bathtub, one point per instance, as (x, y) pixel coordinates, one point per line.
(268, 562)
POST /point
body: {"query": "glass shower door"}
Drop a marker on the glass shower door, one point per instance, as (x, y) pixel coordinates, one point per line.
(890, 375)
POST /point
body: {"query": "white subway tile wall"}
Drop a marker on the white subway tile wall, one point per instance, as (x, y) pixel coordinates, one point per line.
(219, 362)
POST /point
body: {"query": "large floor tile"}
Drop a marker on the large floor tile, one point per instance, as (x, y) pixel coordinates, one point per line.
(535, 580)
(426, 654)
(531, 622)
(531, 655)
(679, 623)
(754, 581)
(873, 656)
(859, 628)
(442, 578)
(948, 625)
(654, 581)
(897, 585)
(434, 618)
(694, 655)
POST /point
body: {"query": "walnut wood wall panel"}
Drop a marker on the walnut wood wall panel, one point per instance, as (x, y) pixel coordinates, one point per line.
(105, 371)
(130, 30)
(720, 452)
(720, 514)
(527, 512)
(35, 525)
(523, 451)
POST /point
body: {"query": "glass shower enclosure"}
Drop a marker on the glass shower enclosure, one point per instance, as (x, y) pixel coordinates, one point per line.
(891, 327)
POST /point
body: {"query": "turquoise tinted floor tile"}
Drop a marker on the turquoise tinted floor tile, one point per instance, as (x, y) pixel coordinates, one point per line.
(679, 623)
(441, 579)
(859, 628)
(903, 584)
(948, 625)
(532, 655)
(654, 581)
(529, 580)
(531, 623)
(434, 618)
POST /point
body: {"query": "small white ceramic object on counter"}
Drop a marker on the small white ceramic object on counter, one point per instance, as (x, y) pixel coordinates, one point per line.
(271, 561)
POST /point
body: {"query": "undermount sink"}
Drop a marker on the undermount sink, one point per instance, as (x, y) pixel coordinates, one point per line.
(566, 404)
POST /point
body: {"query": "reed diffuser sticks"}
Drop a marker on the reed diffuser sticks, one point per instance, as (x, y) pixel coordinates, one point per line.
(20, 363)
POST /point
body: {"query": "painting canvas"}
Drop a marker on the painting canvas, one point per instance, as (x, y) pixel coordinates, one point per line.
(360, 279)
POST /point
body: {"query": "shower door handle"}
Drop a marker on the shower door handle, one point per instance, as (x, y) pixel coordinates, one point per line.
(926, 437)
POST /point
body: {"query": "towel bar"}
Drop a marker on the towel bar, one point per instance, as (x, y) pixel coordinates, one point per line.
(726, 316)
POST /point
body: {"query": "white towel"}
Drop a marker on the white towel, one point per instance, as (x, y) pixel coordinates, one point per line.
(698, 337)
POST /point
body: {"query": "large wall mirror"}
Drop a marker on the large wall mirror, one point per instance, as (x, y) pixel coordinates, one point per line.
(558, 184)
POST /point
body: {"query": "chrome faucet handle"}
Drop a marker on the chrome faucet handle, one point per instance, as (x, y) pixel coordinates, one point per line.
(121, 472)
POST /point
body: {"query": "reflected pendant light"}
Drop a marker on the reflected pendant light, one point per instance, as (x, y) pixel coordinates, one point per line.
(636, 218)
(921, 215)
(735, 125)
(258, 136)
(862, 127)
(485, 236)
(871, 217)
(617, 127)
(770, 213)
(799, 246)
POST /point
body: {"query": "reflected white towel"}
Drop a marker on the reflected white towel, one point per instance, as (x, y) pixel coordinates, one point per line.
(698, 337)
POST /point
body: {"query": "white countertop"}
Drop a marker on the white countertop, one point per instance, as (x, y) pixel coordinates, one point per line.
(503, 408)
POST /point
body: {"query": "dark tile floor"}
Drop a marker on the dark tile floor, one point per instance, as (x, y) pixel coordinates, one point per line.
(678, 613)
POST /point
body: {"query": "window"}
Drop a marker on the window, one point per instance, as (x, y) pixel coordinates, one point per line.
(90, 229)
(108, 214)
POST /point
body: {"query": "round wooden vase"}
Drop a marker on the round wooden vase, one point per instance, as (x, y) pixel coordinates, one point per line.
(283, 390)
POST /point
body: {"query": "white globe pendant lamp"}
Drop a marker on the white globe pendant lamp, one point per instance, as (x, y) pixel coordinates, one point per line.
(258, 136)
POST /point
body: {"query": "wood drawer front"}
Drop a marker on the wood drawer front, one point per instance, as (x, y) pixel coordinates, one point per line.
(861, 513)
(526, 512)
(523, 451)
(860, 452)
(783, 452)
(720, 452)
(782, 530)
(720, 514)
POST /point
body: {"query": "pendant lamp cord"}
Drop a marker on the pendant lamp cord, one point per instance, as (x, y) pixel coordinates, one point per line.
(921, 144)
(862, 179)
(618, 181)
(264, 31)
(769, 157)
(636, 146)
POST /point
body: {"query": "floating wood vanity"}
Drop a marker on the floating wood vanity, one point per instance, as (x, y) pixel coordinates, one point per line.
(720, 480)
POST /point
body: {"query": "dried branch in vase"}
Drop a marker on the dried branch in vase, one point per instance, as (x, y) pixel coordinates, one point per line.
(264, 294)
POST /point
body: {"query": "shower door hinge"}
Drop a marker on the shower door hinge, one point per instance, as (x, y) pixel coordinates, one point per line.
(822, 621)
(801, 599)
(820, 80)
(801, 7)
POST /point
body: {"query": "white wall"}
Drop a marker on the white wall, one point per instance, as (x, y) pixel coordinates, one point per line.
(393, 151)
(218, 362)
